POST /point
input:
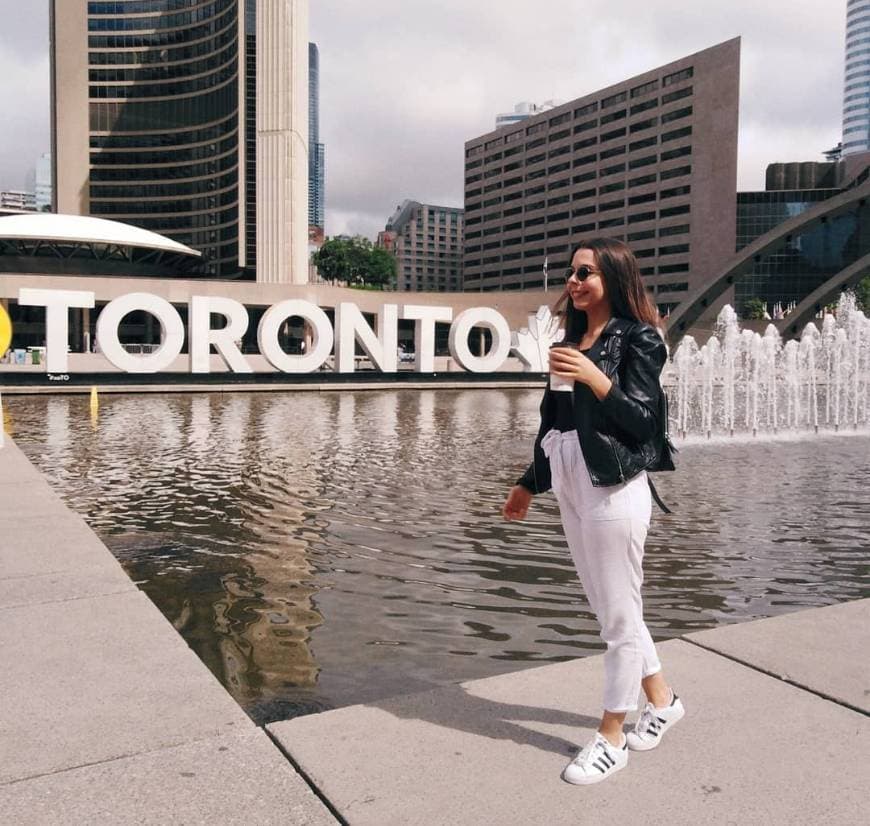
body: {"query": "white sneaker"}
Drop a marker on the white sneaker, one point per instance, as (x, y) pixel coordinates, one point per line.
(598, 759)
(653, 723)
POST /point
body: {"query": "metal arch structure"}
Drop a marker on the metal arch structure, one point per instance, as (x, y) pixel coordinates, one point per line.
(697, 301)
(822, 296)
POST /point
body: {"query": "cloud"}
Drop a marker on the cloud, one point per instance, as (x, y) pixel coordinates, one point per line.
(403, 88)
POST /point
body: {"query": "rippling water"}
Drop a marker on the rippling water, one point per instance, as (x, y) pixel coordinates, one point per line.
(317, 550)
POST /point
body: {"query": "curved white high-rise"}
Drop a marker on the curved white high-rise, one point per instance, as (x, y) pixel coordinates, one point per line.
(856, 88)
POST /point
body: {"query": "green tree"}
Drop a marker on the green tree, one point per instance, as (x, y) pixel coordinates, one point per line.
(862, 294)
(754, 308)
(356, 262)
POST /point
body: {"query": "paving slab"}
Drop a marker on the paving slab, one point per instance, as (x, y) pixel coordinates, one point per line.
(93, 679)
(822, 649)
(224, 780)
(91, 581)
(751, 749)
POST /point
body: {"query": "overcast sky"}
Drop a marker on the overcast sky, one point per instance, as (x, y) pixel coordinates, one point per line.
(404, 85)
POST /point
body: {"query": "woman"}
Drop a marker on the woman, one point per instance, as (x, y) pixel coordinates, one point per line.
(593, 447)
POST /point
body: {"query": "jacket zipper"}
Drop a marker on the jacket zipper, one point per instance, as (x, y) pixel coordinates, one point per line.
(616, 456)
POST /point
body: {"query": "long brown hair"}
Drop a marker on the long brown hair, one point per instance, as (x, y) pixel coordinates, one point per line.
(623, 287)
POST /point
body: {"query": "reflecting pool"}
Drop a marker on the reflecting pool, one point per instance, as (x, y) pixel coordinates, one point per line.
(317, 550)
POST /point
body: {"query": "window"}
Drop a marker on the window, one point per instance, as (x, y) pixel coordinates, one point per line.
(586, 159)
(471, 179)
(563, 118)
(576, 213)
(536, 128)
(535, 190)
(513, 151)
(513, 137)
(611, 222)
(677, 190)
(616, 133)
(585, 127)
(556, 233)
(561, 199)
(473, 164)
(644, 88)
(585, 110)
(536, 143)
(676, 172)
(640, 125)
(674, 249)
(586, 193)
(642, 199)
(605, 207)
(492, 187)
(648, 253)
(643, 234)
(676, 153)
(645, 161)
(531, 176)
(583, 227)
(534, 206)
(643, 179)
(641, 216)
(513, 181)
(679, 94)
(474, 150)
(605, 119)
(676, 133)
(494, 142)
(614, 187)
(677, 210)
(585, 142)
(679, 229)
(560, 184)
(492, 173)
(642, 107)
(559, 167)
(512, 210)
(667, 269)
(492, 202)
(613, 100)
(676, 77)
(491, 158)
(643, 143)
(676, 114)
(612, 170)
(586, 176)
(612, 153)
(681, 287)
(557, 136)
(512, 166)
(536, 158)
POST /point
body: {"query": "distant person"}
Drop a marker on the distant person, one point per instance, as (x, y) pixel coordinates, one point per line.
(593, 447)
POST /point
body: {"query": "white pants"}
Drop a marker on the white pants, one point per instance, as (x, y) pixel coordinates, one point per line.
(606, 528)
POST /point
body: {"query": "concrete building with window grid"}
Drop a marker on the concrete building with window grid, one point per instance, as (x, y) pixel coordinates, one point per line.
(427, 243)
(651, 160)
(856, 84)
(188, 118)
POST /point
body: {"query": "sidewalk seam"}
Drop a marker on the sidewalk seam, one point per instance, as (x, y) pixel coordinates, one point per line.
(304, 775)
(127, 756)
(779, 677)
(67, 599)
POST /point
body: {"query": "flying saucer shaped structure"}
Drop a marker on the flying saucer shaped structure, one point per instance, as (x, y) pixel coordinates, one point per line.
(81, 245)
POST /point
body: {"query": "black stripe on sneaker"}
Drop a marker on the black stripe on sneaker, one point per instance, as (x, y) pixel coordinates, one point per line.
(660, 720)
(608, 758)
(602, 769)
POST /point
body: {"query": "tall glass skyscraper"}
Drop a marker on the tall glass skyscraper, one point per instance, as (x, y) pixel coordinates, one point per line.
(856, 91)
(316, 150)
(163, 113)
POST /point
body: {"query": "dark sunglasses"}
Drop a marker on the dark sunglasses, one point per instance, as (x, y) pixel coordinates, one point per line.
(581, 273)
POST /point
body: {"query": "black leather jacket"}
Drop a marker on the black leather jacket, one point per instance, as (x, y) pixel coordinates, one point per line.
(618, 435)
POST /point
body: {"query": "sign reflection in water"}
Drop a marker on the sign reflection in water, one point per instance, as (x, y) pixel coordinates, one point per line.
(324, 549)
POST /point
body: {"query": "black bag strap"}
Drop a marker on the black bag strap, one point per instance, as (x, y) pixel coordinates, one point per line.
(655, 495)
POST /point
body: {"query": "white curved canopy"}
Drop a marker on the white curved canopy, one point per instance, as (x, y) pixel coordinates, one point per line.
(47, 226)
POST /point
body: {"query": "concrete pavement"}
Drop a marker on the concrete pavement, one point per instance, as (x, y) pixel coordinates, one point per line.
(106, 715)
(752, 748)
